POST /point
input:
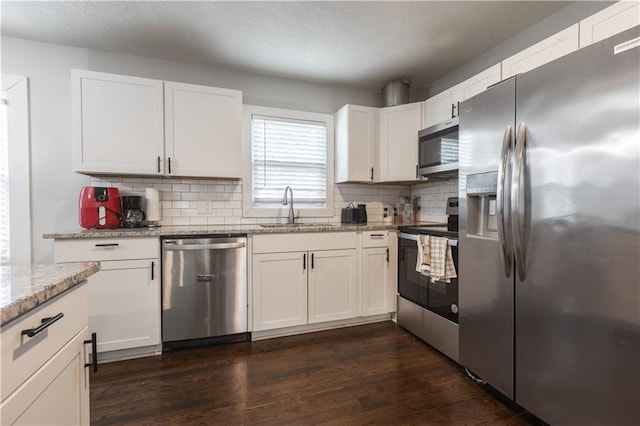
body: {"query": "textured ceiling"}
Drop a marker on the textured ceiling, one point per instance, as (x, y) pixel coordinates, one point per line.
(359, 44)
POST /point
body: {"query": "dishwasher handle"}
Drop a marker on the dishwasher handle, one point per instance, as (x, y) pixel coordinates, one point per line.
(215, 246)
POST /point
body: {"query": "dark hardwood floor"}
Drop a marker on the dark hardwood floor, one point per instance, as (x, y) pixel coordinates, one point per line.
(371, 374)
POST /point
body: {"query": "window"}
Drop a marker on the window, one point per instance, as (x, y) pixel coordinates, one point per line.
(288, 153)
(288, 148)
(5, 252)
(15, 199)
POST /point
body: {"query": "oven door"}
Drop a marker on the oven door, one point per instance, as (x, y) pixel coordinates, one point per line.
(438, 297)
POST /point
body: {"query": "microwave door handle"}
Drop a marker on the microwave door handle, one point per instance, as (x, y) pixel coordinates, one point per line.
(505, 251)
(516, 189)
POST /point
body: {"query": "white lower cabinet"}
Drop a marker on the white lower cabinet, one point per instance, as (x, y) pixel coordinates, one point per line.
(279, 290)
(314, 278)
(333, 285)
(124, 305)
(124, 297)
(45, 382)
(375, 281)
(298, 288)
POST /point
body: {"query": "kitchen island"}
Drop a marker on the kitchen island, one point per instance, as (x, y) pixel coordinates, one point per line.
(44, 379)
(24, 288)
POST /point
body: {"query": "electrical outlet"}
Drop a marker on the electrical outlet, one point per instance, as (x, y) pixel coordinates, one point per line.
(205, 207)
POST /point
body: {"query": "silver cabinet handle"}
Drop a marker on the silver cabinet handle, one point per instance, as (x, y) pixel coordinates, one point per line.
(376, 236)
(515, 200)
(505, 253)
(217, 246)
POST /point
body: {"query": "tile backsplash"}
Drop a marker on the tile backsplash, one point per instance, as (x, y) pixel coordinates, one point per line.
(433, 199)
(219, 202)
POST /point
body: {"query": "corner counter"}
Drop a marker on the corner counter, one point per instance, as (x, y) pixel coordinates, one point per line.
(24, 288)
(200, 230)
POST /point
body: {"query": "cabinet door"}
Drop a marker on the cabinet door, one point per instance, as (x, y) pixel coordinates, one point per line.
(58, 393)
(124, 304)
(333, 286)
(203, 131)
(356, 143)
(374, 278)
(441, 107)
(616, 18)
(117, 123)
(479, 82)
(279, 290)
(399, 126)
(554, 47)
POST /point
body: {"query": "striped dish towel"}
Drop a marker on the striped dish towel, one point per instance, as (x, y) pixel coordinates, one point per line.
(435, 259)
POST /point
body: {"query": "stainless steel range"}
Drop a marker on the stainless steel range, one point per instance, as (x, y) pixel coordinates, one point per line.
(428, 308)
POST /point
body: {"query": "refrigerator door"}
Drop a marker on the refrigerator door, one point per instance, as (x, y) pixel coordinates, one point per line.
(577, 310)
(485, 277)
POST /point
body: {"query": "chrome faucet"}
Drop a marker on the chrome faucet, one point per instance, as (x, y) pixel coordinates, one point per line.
(285, 202)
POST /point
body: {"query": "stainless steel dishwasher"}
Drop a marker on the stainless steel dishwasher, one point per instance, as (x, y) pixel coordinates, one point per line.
(204, 290)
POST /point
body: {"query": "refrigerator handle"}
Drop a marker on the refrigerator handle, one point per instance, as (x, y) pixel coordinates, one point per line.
(515, 200)
(505, 252)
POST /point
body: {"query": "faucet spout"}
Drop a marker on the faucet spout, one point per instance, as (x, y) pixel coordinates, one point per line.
(285, 202)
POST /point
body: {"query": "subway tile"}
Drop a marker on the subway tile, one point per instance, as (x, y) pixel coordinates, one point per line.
(198, 220)
(181, 221)
(180, 204)
(179, 187)
(171, 212)
(199, 188)
(189, 196)
(211, 220)
(206, 196)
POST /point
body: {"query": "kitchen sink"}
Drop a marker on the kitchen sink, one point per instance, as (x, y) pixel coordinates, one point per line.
(294, 225)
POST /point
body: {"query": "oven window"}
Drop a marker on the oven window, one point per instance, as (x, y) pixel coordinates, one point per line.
(438, 297)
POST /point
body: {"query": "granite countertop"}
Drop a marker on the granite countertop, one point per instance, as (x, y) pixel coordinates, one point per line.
(23, 288)
(221, 229)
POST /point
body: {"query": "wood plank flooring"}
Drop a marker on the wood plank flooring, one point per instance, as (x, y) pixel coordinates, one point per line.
(371, 374)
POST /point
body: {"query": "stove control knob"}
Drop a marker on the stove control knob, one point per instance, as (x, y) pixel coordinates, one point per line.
(454, 308)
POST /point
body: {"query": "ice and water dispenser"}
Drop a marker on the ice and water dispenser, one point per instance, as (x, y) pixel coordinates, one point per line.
(481, 204)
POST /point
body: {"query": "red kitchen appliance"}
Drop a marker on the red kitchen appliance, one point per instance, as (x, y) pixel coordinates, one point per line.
(99, 207)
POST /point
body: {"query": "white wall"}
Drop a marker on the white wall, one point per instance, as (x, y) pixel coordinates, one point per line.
(560, 20)
(54, 187)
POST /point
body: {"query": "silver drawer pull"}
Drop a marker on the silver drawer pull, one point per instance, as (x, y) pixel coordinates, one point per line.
(377, 236)
(187, 247)
(107, 245)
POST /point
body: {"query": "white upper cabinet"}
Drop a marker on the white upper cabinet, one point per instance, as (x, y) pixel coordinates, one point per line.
(356, 139)
(137, 126)
(444, 106)
(479, 83)
(117, 123)
(549, 49)
(399, 126)
(202, 131)
(616, 18)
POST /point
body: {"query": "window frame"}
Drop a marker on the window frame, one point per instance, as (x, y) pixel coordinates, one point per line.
(17, 92)
(251, 210)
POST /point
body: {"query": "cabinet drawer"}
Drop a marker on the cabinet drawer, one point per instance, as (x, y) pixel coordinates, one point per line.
(282, 243)
(23, 355)
(375, 239)
(97, 249)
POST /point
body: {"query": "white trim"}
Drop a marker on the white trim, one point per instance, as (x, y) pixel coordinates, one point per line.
(281, 213)
(17, 90)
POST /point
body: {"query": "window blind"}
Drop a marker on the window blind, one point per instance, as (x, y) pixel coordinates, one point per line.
(288, 153)
(4, 183)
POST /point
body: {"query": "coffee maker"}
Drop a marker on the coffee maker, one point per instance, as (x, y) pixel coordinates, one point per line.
(132, 214)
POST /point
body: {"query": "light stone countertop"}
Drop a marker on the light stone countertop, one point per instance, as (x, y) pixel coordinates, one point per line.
(23, 288)
(220, 230)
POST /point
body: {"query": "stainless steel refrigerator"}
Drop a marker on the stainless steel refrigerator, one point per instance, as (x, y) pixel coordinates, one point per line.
(549, 244)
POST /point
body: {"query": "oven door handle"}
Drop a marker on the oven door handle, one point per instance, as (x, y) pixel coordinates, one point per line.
(414, 237)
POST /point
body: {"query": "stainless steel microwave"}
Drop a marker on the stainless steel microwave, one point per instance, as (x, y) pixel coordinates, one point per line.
(438, 150)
